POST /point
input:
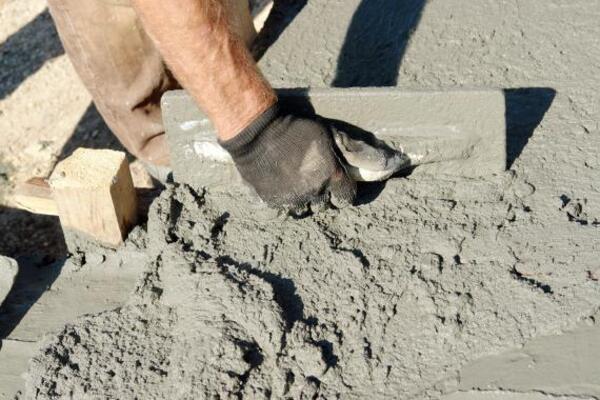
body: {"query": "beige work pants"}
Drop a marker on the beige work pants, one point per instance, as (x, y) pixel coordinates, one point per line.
(122, 69)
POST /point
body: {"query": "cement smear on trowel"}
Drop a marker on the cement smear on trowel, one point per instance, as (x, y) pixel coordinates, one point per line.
(385, 300)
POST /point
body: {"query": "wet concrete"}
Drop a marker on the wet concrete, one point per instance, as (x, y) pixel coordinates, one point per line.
(41, 299)
(552, 366)
(420, 292)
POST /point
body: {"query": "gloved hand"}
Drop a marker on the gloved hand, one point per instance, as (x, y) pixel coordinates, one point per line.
(290, 161)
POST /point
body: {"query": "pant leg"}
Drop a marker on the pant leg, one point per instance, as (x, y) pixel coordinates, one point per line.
(122, 69)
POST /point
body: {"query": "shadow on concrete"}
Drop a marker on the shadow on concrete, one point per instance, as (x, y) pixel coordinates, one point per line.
(24, 233)
(525, 109)
(25, 52)
(91, 132)
(366, 192)
(376, 42)
(32, 280)
(280, 17)
(372, 53)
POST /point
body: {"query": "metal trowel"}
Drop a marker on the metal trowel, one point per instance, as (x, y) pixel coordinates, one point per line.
(456, 132)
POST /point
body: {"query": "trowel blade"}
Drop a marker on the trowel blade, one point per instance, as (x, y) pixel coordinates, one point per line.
(456, 132)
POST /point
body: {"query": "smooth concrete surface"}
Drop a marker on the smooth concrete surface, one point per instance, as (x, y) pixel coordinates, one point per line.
(562, 365)
(45, 298)
(14, 358)
(345, 43)
(460, 132)
(500, 395)
(50, 296)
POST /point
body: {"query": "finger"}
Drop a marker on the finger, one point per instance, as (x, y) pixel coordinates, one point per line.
(320, 205)
(302, 206)
(299, 211)
(359, 153)
(342, 189)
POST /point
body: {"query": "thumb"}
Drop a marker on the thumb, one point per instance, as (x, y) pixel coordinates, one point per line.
(369, 158)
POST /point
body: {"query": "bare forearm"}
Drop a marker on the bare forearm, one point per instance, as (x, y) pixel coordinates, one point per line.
(198, 43)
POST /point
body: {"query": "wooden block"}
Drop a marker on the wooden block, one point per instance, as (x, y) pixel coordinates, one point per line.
(94, 195)
(35, 196)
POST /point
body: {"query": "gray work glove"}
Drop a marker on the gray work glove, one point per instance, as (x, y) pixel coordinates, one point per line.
(291, 161)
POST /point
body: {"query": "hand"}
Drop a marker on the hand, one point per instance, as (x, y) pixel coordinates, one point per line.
(291, 161)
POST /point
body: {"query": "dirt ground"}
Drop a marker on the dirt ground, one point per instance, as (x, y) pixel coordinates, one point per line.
(45, 113)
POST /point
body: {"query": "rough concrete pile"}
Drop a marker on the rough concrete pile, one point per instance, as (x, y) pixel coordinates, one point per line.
(387, 298)
(393, 298)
